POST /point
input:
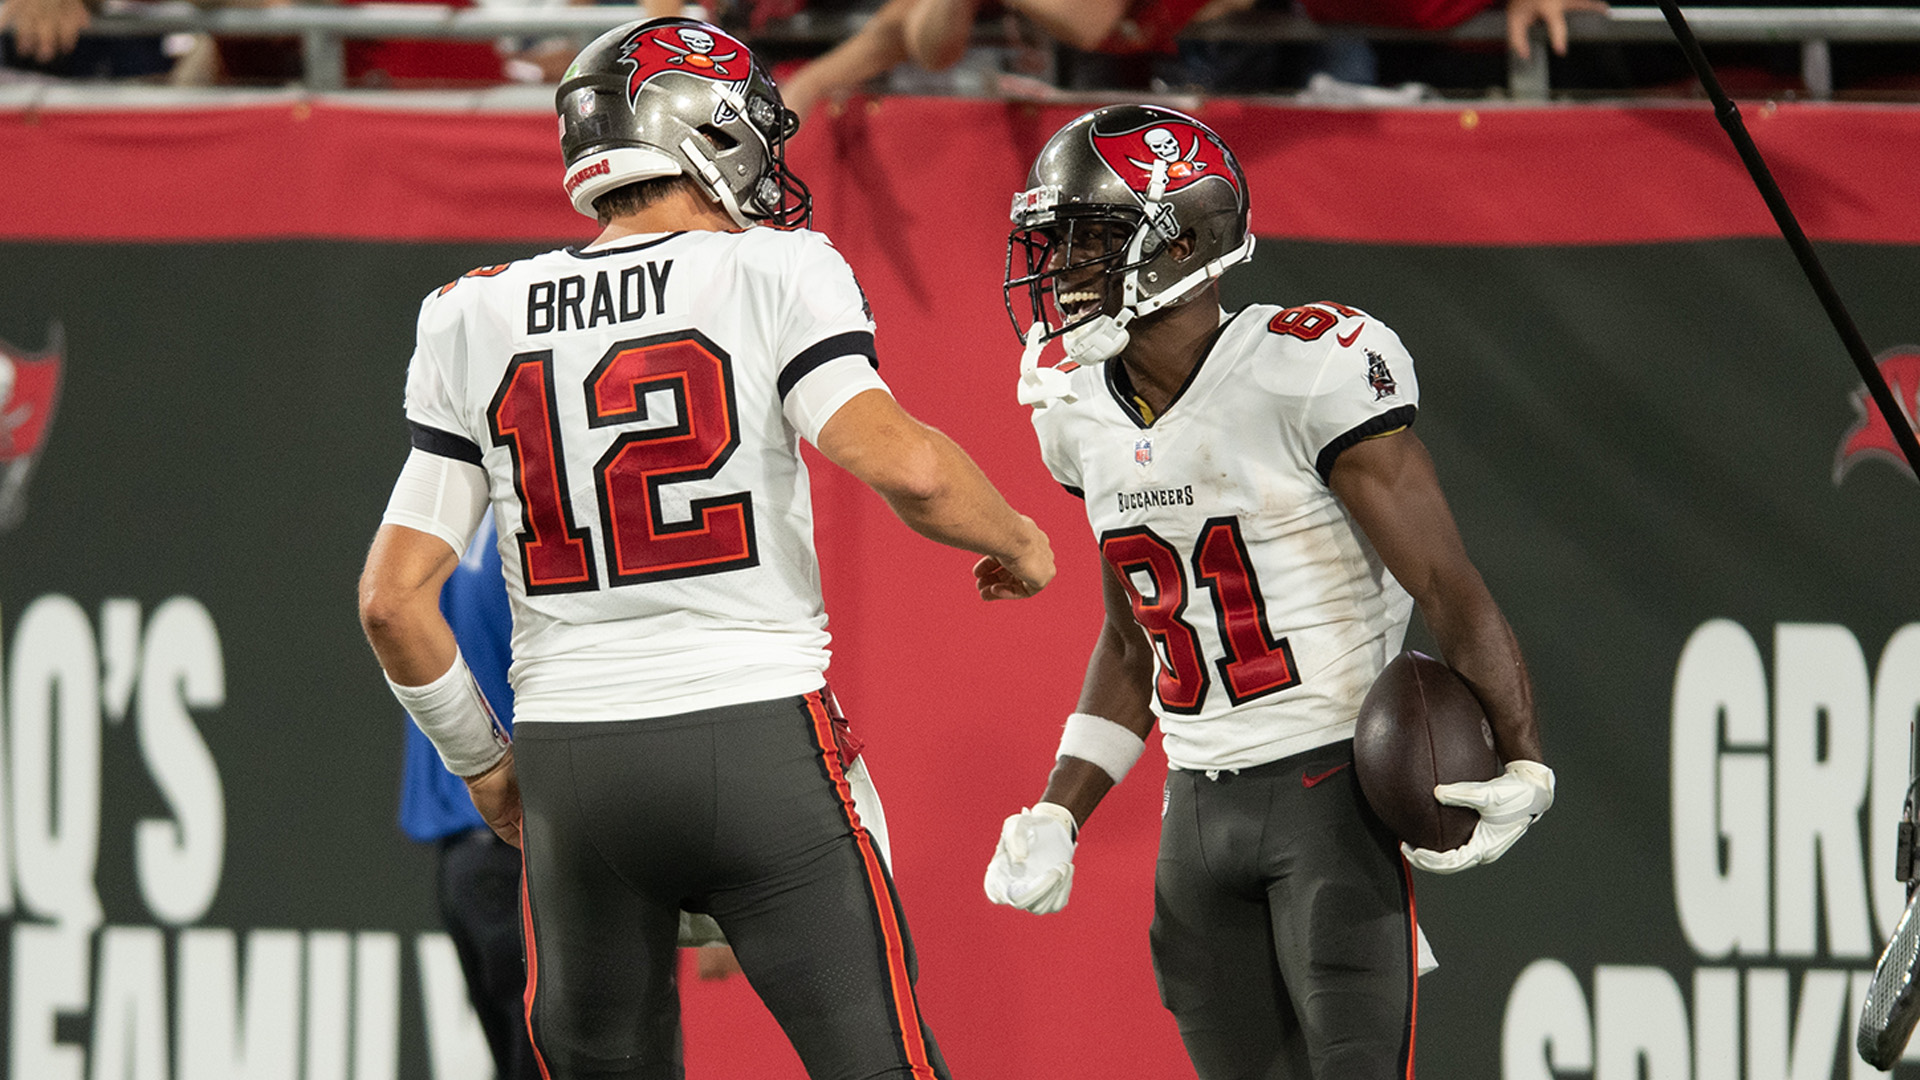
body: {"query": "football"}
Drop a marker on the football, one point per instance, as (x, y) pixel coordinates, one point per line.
(1420, 726)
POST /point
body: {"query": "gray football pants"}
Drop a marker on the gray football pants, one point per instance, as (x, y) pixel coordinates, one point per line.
(741, 813)
(1283, 924)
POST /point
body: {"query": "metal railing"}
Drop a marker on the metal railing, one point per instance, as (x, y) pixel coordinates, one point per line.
(322, 30)
(1813, 29)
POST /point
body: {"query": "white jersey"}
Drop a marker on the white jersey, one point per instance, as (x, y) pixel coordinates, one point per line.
(637, 409)
(1269, 611)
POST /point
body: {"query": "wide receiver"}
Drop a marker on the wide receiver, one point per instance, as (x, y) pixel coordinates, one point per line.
(1267, 519)
(632, 411)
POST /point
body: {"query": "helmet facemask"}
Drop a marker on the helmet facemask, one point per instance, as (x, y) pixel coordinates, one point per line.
(1071, 270)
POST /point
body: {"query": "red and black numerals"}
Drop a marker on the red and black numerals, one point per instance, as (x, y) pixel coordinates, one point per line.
(641, 544)
(1255, 662)
(555, 551)
(524, 417)
(484, 271)
(1309, 321)
(1182, 682)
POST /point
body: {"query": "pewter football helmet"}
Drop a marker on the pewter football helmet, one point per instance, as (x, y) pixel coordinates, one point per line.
(1107, 196)
(665, 97)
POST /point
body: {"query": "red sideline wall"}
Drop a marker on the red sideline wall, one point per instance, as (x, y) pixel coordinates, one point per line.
(960, 701)
(1438, 175)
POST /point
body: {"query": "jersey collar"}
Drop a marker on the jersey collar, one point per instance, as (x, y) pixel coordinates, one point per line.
(1120, 384)
(622, 245)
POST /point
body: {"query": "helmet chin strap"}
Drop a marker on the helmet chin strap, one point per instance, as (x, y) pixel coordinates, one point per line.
(1042, 386)
(1099, 338)
(715, 183)
(1102, 337)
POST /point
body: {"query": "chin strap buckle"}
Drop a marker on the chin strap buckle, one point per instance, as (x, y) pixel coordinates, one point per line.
(1042, 386)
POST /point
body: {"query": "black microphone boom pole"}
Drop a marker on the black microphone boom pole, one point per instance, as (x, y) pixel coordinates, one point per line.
(1892, 1006)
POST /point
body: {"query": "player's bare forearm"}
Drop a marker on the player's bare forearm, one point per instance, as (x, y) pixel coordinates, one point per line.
(961, 508)
(1077, 785)
(400, 604)
(1119, 680)
(1390, 487)
(934, 487)
(1476, 641)
(1118, 687)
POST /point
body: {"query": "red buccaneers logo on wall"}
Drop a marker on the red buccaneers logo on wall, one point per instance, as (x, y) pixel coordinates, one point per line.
(1190, 155)
(29, 389)
(1871, 437)
(687, 49)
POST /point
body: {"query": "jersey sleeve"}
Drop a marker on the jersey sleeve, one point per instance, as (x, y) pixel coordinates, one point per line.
(1364, 388)
(436, 384)
(815, 398)
(825, 344)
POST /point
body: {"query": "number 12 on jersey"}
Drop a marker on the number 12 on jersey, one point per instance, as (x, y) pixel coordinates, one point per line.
(1255, 664)
(555, 551)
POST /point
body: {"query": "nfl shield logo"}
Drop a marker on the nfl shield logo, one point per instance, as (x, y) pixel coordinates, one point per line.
(1143, 452)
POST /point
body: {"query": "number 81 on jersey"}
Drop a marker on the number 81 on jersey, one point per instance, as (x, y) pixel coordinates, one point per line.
(1255, 664)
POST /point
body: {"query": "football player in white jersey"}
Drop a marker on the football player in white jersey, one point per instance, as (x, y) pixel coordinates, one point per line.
(631, 411)
(1267, 520)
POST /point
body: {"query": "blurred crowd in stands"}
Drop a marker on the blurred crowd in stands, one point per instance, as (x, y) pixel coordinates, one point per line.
(988, 46)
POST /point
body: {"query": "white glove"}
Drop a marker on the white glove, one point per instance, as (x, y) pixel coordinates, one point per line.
(1508, 803)
(1032, 867)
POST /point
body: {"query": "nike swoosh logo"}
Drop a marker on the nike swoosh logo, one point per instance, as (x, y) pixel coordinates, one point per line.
(1346, 340)
(1309, 781)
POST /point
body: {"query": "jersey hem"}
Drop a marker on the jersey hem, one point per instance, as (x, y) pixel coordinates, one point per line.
(761, 690)
(1267, 754)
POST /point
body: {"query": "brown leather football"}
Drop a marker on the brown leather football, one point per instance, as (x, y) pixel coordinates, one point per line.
(1421, 726)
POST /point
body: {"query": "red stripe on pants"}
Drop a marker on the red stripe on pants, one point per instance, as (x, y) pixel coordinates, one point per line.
(906, 1012)
(1413, 951)
(533, 957)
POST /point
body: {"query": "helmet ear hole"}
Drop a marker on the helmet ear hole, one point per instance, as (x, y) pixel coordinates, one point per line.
(722, 142)
(1184, 246)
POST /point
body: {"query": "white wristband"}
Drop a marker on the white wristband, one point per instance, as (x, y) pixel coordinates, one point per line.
(454, 715)
(1102, 742)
